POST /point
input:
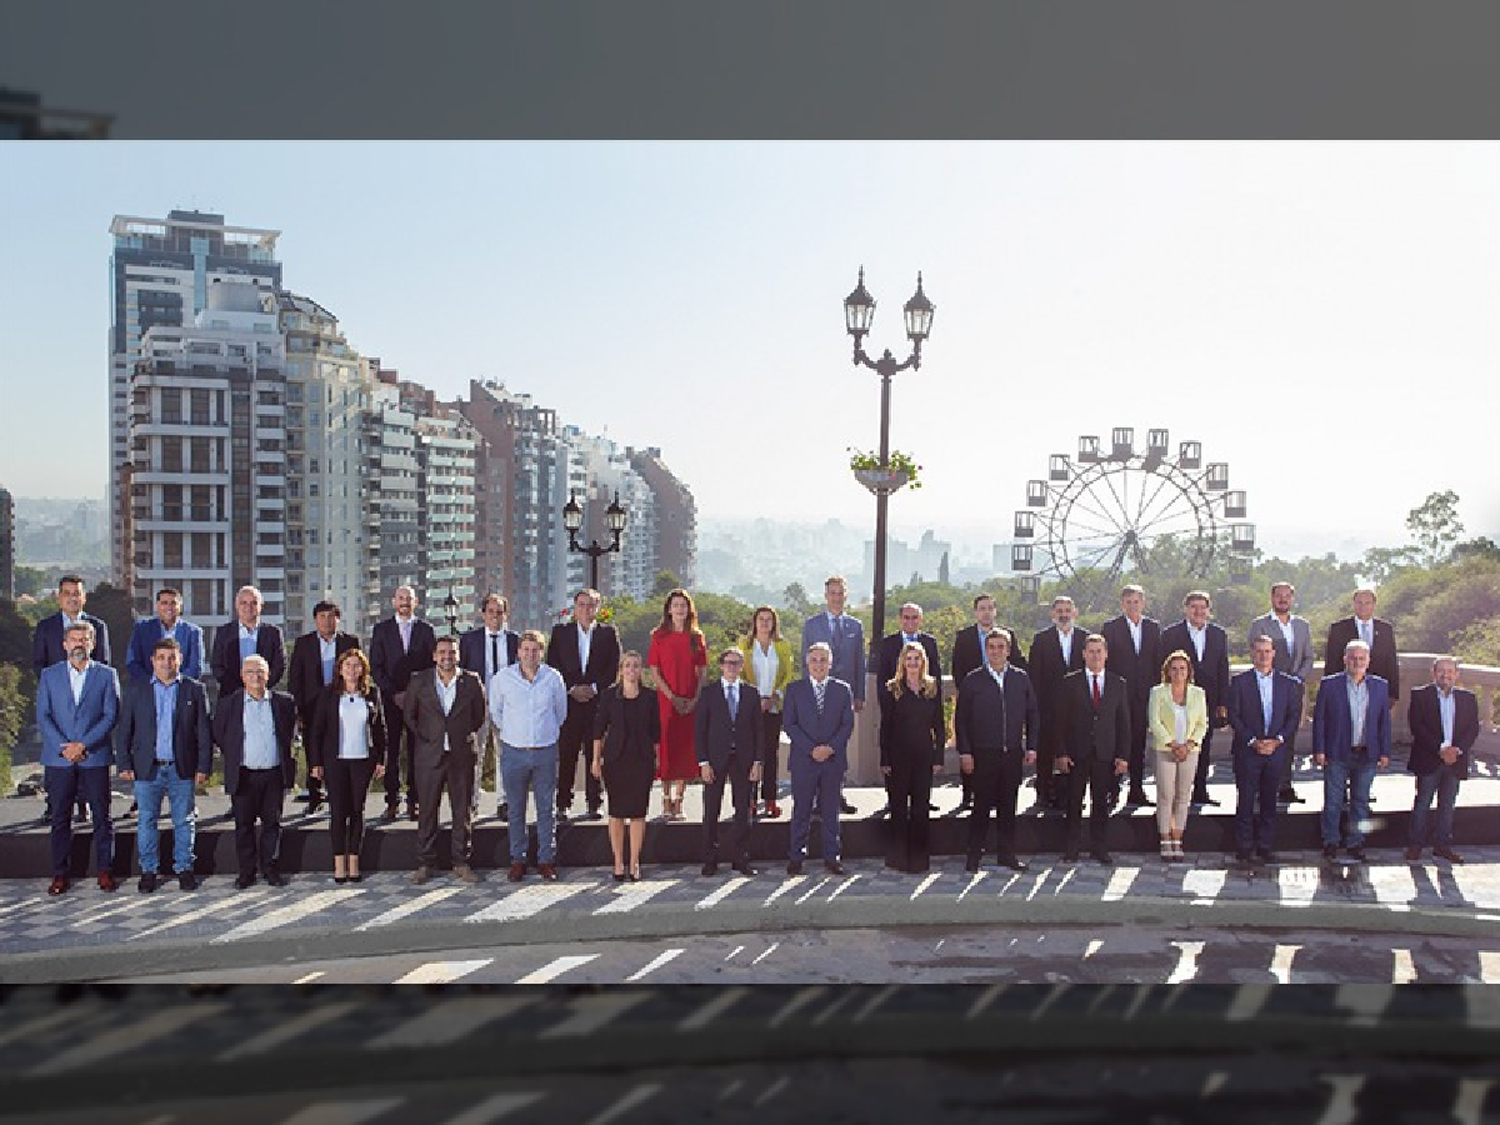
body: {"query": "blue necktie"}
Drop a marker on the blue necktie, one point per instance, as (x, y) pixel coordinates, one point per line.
(734, 701)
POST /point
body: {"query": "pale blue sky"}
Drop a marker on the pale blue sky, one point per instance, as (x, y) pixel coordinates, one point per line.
(1324, 317)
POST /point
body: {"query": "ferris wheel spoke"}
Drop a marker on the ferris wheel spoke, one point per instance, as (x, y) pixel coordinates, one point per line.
(1078, 502)
(1124, 508)
(1172, 505)
(1140, 512)
(1094, 529)
(1171, 524)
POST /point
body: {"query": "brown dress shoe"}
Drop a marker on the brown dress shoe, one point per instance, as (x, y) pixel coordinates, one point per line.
(465, 874)
(421, 875)
(59, 885)
(517, 872)
(107, 881)
(1449, 854)
(547, 871)
(1412, 855)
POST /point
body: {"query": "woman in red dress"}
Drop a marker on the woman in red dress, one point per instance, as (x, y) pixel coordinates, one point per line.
(678, 657)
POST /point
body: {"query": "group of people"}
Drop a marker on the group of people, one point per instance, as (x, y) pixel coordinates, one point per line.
(1087, 709)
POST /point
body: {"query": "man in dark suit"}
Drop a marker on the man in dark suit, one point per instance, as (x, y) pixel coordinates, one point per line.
(1351, 742)
(1096, 745)
(166, 750)
(245, 635)
(844, 634)
(1133, 640)
(968, 654)
(254, 727)
(1207, 648)
(77, 706)
(818, 718)
(1292, 636)
(726, 727)
(587, 655)
(1265, 707)
(167, 622)
(1378, 636)
(47, 646)
(399, 645)
(1444, 726)
(484, 650)
(996, 725)
(1055, 651)
(315, 658)
(445, 711)
(888, 659)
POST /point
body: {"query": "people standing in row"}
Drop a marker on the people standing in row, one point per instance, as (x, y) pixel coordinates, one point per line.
(1207, 646)
(726, 741)
(1265, 707)
(1444, 727)
(768, 666)
(1134, 642)
(1351, 742)
(968, 654)
(913, 733)
(1379, 638)
(586, 653)
(677, 657)
(247, 634)
(347, 751)
(1177, 718)
(1291, 637)
(48, 646)
(484, 650)
(888, 663)
(1096, 746)
(399, 645)
(253, 728)
(1055, 652)
(627, 739)
(844, 634)
(995, 724)
(529, 704)
(818, 718)
(315, 655)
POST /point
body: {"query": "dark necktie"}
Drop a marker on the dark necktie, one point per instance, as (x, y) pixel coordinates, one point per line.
(1096, 691)
(494, 653)
(818, 692)
(734, 702)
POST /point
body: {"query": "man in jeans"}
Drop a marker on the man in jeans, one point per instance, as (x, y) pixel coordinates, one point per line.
(528, 704)
(1444, 726)
(1351, 740)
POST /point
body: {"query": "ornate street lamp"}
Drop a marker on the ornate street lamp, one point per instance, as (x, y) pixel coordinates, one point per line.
(614, 522)
(450, 611)
(859, 315)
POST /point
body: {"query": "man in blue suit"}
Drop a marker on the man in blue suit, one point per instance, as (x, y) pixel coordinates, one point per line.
(165, 749)
(77, 706)
(818, 718)
(1351, 740)
(1265, 707)
(844, 634)
(168, 622)
(47, 646)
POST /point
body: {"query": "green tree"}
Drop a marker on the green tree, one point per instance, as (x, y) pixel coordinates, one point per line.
(1435, 526)
(665, 583)
(795, 600)
(30, 580)
(13, 710)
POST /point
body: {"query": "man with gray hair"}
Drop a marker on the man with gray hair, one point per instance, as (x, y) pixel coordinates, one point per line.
(246, 634)
(1351, 740)
(1444, 727)
(818, 718)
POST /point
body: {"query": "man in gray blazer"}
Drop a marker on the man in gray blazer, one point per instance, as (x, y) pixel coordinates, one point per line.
(844, 634)
(1292, 637)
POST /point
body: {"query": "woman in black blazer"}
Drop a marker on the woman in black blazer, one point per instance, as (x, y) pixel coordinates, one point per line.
(627, 735)
(344, 750)
(912, 735)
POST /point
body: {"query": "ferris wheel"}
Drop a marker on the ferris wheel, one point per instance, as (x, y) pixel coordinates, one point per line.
(1122, 509)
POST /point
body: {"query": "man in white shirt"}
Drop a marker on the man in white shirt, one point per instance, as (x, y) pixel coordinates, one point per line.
(528, 704)
(1291, 639)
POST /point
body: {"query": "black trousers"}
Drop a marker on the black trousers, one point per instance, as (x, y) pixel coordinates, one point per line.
(1290, 746)
(997, 777)
(575, 741)
(1200, 779)
(348, 780)
(1099, 778)
(910, 789)
(396, 735)
(770, 756)
(437, 771)
(1138, 728)
(257, 797)
(736, 774)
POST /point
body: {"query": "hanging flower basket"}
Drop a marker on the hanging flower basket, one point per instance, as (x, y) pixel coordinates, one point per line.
(882, 481)
(899, 470)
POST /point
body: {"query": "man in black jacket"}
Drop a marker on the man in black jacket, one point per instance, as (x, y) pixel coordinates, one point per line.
(726, 726)
(399, 645)
(253, 728)
(996, 724)
(1207, 648)
(1096, 745)
(1134, 640)
(314, 662)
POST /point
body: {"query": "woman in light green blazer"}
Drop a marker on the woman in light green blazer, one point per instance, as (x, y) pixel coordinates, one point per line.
(1177, 715)
(768, 665)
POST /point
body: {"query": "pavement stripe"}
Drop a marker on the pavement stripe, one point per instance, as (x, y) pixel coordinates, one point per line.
(1340, 1109)
(1054, 994)
(1036, 884)
(442, 972)
(1468, 1103)
(1120, 883)
(190, 916)
(1489, 966)
(1094, 946)
(406, 909)
(590, 1013)
(35, 1027)
(1187, 961)
(733, 952)
(713, 1009)
(1281, 963)
(128, 1038)
(282, 1033)
(803, 998)
(1297, 885)
(310, 977)
(1204, 885)
(494, 1108)
(791, 882)
(1403, 969)
(656, 962)
(827, 1013)
(818, 887)
(556, 968)
(1249, 999)
(286, 915)
(768, 951)
(973, 882)
(525, 902)
(925, 883)
(635, 895)
(639, 1095)
(135, 901)
(343, 1113)
(772, 1090)
(1213, 1084)
(880, 998)
(722, 893)
(842, 887)
(730, 1090)
(449, 1021)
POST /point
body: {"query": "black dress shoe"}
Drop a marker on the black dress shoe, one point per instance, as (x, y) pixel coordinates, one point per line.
(746, 870)
(1246, 858)
(709, 868)
(245, 882)
(931, 807)
(1013, 863)
(594, 813)
(1267, 857)
(1289, 797)
(846, 808)
(1139, 799)
(1357, 855)
(276, 879)
(411, 810)
(1103, 857)
(1200, 797)
(794, 867)
(1070, 857)
(971, 864)
(187, 881)
(1330, 852)
(147, 883)
(502, 812)
(389, 816)
(834, 867)
(966, 805)
(314, 803)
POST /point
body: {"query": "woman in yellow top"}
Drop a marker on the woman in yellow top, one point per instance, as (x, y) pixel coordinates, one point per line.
(768, 665)
(1177, 714)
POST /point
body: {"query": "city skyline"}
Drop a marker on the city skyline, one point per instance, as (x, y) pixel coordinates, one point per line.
(1244, 295)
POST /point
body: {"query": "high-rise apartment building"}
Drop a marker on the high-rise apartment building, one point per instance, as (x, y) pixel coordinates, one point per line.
(7, 546)
(676, 516)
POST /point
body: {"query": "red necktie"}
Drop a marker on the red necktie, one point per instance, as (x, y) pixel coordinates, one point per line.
(1096, 691)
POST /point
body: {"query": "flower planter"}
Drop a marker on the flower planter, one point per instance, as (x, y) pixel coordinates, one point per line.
(882, 482)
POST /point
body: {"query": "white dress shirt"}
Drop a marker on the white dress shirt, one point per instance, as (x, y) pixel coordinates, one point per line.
(446, 695)
(1199, 637)
(766, 664)
(76, 678)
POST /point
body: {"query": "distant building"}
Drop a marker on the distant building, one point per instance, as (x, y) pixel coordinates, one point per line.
(24, 118)
(7, 546)
(676, 516)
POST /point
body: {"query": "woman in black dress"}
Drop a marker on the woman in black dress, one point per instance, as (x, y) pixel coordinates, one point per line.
(912, 734)
(627, 735)
(344, 749)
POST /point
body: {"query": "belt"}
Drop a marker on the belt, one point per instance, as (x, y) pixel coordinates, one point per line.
(510, 746)
(1361, 746)
(260, 769)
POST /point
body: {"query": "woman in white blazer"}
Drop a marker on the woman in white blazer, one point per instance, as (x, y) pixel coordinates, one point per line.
(1177, 713)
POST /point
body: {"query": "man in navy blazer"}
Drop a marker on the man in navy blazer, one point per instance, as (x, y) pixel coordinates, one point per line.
(1134, 640)
(246, 634)
(77, 706)
(1055, 652)
(168, 622)
(47, 646)
(165, 749)
(586, 654)
(258, 767)
(844, 634)
(995, 722)
(726, 733)
(1444, 727)
(817, 715)
(1265, 706)
(484, 650)
(1351, 740)
(1207, 648)
(1376, 632)
(968, 654)
(400, 645)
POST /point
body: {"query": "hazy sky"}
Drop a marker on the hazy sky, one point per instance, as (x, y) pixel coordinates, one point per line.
(1323, 317)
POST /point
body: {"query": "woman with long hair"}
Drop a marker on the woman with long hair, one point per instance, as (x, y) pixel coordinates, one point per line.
(627, 736)
(912, 735)
(1177, 715)
(678, 657)
(768, 666)
(347, 738)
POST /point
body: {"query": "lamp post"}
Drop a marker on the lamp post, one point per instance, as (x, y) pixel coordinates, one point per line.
(859, 314)
(614, 521)
(450, 611)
